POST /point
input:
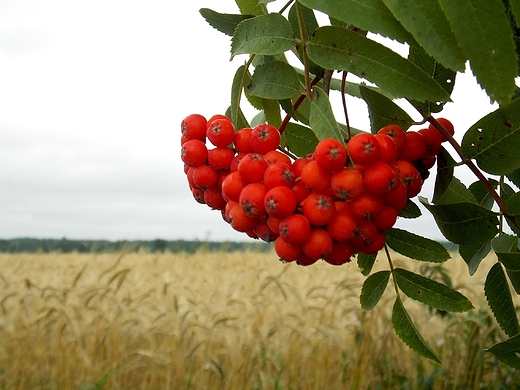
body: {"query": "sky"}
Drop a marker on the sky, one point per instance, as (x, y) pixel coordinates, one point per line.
(92, 95)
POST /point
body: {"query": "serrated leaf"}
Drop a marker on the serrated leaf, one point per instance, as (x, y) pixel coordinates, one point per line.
(494, 141)
(426, 21)
(430, 292)
(445, 168)
(339, 48)
(408, 333)
(299, 139)
(373, 289)
(481, 194)
(473, 254)
(506, 249)
(383, 111)
(508, 351)
(444, 76)
(371, 15)
(500, 301)
(464, 223)
(266, 34)
(236, 93)
(484, 35)
(514, 177)
(513, 209)
(410, 210)
(275, 80)
(416, 247)
(272, 113)
(225, 23)
(456, 193)
(321, 119)
(366, 262)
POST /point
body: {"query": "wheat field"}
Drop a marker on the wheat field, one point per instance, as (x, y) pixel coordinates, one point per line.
(213, 320)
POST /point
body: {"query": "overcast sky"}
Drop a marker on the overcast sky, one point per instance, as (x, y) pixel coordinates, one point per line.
(92, 94)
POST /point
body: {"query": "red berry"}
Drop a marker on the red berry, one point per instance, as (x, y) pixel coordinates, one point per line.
(280, 202)
(194, 153)
(287, 252)
(221, 132)
(432, 139)
(387, 150)
(194, 127)
(330, 154)
(252, 167)
(240, 221)
(363, 149)
(241, 141)
(317, 179)
(275, 156)
(279, 174)
(397, 134)
(379, 179)
(410, 177)
(448, 126)
(340, 254)
(386, 218)
(232, 186)
(214, 199)
(414, 147)
(205, 176)
(251, 200)
(318, 245)
(343, 225)
(264, 138)
(347, 183)
(295, 229)
(220, 158)
(318, 209)
(366, 206)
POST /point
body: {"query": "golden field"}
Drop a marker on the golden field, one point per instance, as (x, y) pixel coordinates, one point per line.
(213, 320)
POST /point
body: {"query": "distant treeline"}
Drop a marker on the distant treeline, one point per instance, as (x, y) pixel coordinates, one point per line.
(64, 245)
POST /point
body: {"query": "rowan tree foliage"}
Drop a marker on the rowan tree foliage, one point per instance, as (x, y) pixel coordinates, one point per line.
(296, 52)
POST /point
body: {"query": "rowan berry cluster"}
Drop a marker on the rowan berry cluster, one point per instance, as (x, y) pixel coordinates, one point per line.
(331, 204)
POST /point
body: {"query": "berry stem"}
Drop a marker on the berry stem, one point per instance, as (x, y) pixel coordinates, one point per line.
(392, 269)
(344, 101)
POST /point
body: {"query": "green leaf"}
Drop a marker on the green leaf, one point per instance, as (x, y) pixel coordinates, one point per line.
(236, 93)
(266, 34)
(464, 223)
(322, 119)
(383, 111)
(250, 7)
(426, 21)
(445, 168)
(508, 351)
(271, 110)
(456, 193)
(338, 48)
(373, 289)
(366, 262)
(225, 23)
(481, 194)
(500, 301)
(371, 15)
(444, 76)
(506, 249)
(473, 254)
(484, 35)
(299, 139)
(494, 141)
(430, 292)
(410, 210)
(275, 80)
(514, 177)
(513, 208)
(408, 333)
(416, 247)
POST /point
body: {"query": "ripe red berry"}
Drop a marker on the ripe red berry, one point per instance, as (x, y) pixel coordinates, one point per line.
(194, 153)
(279, 174)
(366, 206)
(330, 154)
(241, 141)
(448, 126)
(386, 218)
(280, 202)
(379, 179)
(251, 200)
(275, 156)
(194, 127)
(343, 225)
(232, 186)
(340, 254)
(287, 252)
(432, 139)
(363, 149)
(264, 138)
(317, 179)
(410, 177)
(252, 167)
(347, 183)
(318, 209)
(205, 176)
(295, 229)
(387, 150)
(263, 232)
(414, 146)
(220, 158)
(220, 132)
(240, 221)
(397, 134)
(214, 199)
(318, 245)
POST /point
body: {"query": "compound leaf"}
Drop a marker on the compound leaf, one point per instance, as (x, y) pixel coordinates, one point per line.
(373, 289)
(266, 34)
(494, 141)
(334, 47)
(408, 333)
(416, 247)
(483, 31)
(499, 298)
(225, 23)
(322, 119)
(430, 292)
